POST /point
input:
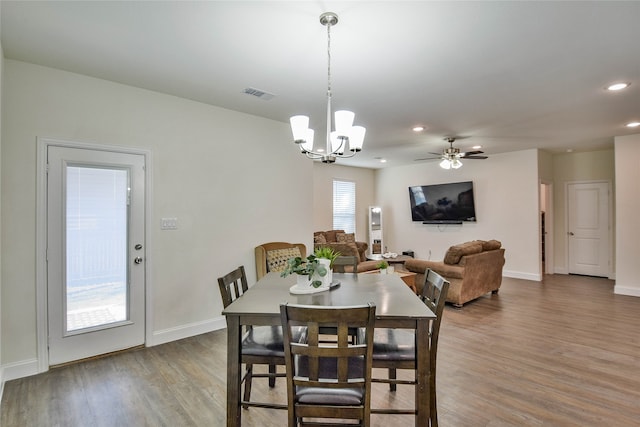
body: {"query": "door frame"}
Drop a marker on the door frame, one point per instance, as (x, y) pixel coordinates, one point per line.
(547, 195)
(610, 231)
(43, 143)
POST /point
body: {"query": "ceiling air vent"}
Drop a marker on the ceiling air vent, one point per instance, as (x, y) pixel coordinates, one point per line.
(258, 93)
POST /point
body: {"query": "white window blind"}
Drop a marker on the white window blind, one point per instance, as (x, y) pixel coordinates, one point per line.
(344, 206)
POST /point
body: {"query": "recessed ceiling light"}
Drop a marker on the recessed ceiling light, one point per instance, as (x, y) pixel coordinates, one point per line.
(633, 124)
(418, 128)
(618, 86)
(569, 150)
(477, 147)
(383, 160)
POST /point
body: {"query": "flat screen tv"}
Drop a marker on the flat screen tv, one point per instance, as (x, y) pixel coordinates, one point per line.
(450, 203)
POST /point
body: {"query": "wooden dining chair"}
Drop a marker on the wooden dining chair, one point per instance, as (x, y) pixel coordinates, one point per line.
(396, 349)
(328, 380)
(262, 345)
(341, 262)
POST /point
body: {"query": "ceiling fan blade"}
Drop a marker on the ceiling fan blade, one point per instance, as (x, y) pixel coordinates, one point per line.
(470, 153)
(475, 157)
(428, 158)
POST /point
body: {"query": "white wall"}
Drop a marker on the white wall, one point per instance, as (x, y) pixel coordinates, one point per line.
(232, 180)
(507, 206)
(627, 160)
(323, 176)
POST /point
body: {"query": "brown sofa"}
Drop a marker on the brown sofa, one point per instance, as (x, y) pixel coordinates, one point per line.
(472, 269)
(346, 244)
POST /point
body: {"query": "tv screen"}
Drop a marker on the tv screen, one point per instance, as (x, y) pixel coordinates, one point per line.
(449, 203)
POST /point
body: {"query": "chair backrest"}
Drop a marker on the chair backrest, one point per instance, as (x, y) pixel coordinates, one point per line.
(341, 262)
(273, 256)
(434, 295)
(338, 367)
(232, 285)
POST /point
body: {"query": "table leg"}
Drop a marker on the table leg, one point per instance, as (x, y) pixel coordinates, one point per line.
(233, 372)
(423, 372)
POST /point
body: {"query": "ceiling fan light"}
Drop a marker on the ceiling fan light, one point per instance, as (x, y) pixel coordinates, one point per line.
(456, 164)
(299, 128)
(445, 164)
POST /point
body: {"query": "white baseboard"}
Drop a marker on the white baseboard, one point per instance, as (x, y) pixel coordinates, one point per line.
(625, 290)
(186, 331)
(561, 270)
(15, 370)
(520, 275)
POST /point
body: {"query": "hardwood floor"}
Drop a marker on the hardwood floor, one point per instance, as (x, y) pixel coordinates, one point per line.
(563, 352)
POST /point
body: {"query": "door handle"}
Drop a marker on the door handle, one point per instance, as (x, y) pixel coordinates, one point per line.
(137, 260)
(570, 233)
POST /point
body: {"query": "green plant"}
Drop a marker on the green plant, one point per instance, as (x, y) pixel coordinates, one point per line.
(307, 267)
(326, 252)
(382, 265)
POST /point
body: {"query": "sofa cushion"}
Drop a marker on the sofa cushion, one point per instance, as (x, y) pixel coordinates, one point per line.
(491, 245)
(277, 258)
(456, 252)
(331, 235)
(318, 238)
(345, 237)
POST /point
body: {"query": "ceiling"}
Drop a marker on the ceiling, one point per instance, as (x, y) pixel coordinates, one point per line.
(504, 75)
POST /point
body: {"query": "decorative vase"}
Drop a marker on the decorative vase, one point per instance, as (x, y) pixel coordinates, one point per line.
(326, 280)
(383, 271)
(302, 281)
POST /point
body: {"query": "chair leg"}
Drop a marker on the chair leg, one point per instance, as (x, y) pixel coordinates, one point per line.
(272, 376)
(247, 384)
(433, 415)
(392, 376)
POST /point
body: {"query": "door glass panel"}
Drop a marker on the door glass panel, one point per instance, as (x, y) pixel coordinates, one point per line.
(96, 247)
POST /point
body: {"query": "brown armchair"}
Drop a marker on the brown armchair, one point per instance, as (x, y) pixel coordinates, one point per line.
(273, 256)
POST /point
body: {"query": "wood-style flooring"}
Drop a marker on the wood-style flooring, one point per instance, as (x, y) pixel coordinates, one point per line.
(562, 352)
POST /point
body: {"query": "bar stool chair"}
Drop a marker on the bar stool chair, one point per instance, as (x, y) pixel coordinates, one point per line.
(262, 345)
(341, 262)
(328, 380)
(395, 348)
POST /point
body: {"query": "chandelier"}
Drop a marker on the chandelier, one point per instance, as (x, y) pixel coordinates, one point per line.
(345, 134)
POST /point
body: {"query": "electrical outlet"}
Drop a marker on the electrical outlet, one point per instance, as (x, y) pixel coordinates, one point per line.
(169, 224)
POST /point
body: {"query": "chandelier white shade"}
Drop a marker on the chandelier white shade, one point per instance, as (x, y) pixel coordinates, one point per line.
(345, 134)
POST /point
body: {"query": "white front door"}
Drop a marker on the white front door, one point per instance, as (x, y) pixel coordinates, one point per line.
(588, 228)
(95, 252)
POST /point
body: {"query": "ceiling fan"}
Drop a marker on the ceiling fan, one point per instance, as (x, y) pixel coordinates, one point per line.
(451, 156)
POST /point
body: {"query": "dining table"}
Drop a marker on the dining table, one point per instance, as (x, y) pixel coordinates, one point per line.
(396, 307)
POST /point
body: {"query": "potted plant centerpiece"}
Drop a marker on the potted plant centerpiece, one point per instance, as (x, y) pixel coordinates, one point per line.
(314, 271)
(382, 265)
(326, 255)
(309, 271)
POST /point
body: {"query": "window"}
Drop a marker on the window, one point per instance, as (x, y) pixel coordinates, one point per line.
(344, 206)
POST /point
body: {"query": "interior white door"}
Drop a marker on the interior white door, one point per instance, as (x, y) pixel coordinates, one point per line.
(588, 228)
(95, 252)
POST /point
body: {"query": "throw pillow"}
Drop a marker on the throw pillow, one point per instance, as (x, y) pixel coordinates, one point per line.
(491, 245)
(277, 258)
(456, 252)
(319, 238)
(345, 237)
(331, 235)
